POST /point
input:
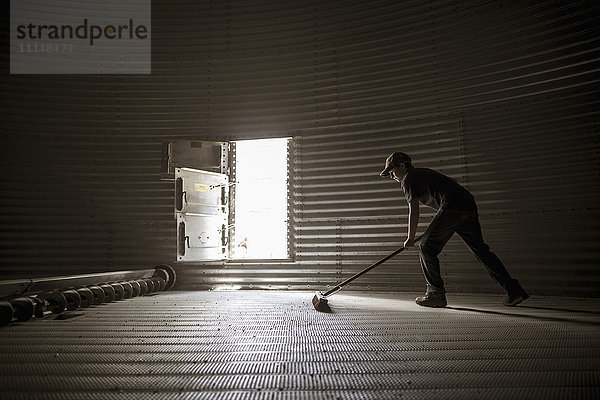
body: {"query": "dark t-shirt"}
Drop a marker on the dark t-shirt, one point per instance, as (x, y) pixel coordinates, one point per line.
(435, 190)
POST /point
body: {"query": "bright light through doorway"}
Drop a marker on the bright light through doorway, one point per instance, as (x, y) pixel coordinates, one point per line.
(261, 199)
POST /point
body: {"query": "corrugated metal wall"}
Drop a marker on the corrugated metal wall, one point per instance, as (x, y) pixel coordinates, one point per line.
(501, 95)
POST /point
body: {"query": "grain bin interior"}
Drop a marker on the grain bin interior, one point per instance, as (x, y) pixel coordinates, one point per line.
(101, 187)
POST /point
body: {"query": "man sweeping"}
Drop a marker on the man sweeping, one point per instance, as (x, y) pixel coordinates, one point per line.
(456, 212)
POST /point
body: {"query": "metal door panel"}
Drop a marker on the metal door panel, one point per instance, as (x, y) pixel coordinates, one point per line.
(201, 211)
(200, 192)
(208, 156)
(201, 237)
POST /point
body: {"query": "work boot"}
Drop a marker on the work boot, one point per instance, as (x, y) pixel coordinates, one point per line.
(515, 298)
(432, 300)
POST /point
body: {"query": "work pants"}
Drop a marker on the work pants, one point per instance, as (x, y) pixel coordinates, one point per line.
(465, 222)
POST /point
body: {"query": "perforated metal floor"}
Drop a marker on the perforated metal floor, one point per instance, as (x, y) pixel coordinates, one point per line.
(274, 345)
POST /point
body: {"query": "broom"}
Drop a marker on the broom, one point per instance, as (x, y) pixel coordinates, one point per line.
(320, 299)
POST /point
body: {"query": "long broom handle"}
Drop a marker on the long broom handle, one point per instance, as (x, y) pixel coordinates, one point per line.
(364, 271)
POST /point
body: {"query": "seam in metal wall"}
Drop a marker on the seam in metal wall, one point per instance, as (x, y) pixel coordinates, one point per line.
(501, 95)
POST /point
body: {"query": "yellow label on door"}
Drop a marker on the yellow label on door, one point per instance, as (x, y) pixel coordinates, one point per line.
(200, 187)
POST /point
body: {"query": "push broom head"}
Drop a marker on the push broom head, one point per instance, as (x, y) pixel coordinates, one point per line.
(320, 303)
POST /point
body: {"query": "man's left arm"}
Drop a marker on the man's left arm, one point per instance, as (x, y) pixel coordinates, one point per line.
(413, 222)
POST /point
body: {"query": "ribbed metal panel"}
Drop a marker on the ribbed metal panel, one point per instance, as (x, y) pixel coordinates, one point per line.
(502, 95)
(274, 345)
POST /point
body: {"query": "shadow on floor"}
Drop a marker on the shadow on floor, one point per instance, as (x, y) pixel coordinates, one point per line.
(561, 310)
(530, 316)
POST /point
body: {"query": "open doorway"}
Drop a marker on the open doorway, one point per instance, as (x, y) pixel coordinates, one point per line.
(260, 213)
(232, 199)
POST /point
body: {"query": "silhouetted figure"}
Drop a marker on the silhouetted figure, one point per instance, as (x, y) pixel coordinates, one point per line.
(456, 212)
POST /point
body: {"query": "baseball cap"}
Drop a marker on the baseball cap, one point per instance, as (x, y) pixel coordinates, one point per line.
(394, 160)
